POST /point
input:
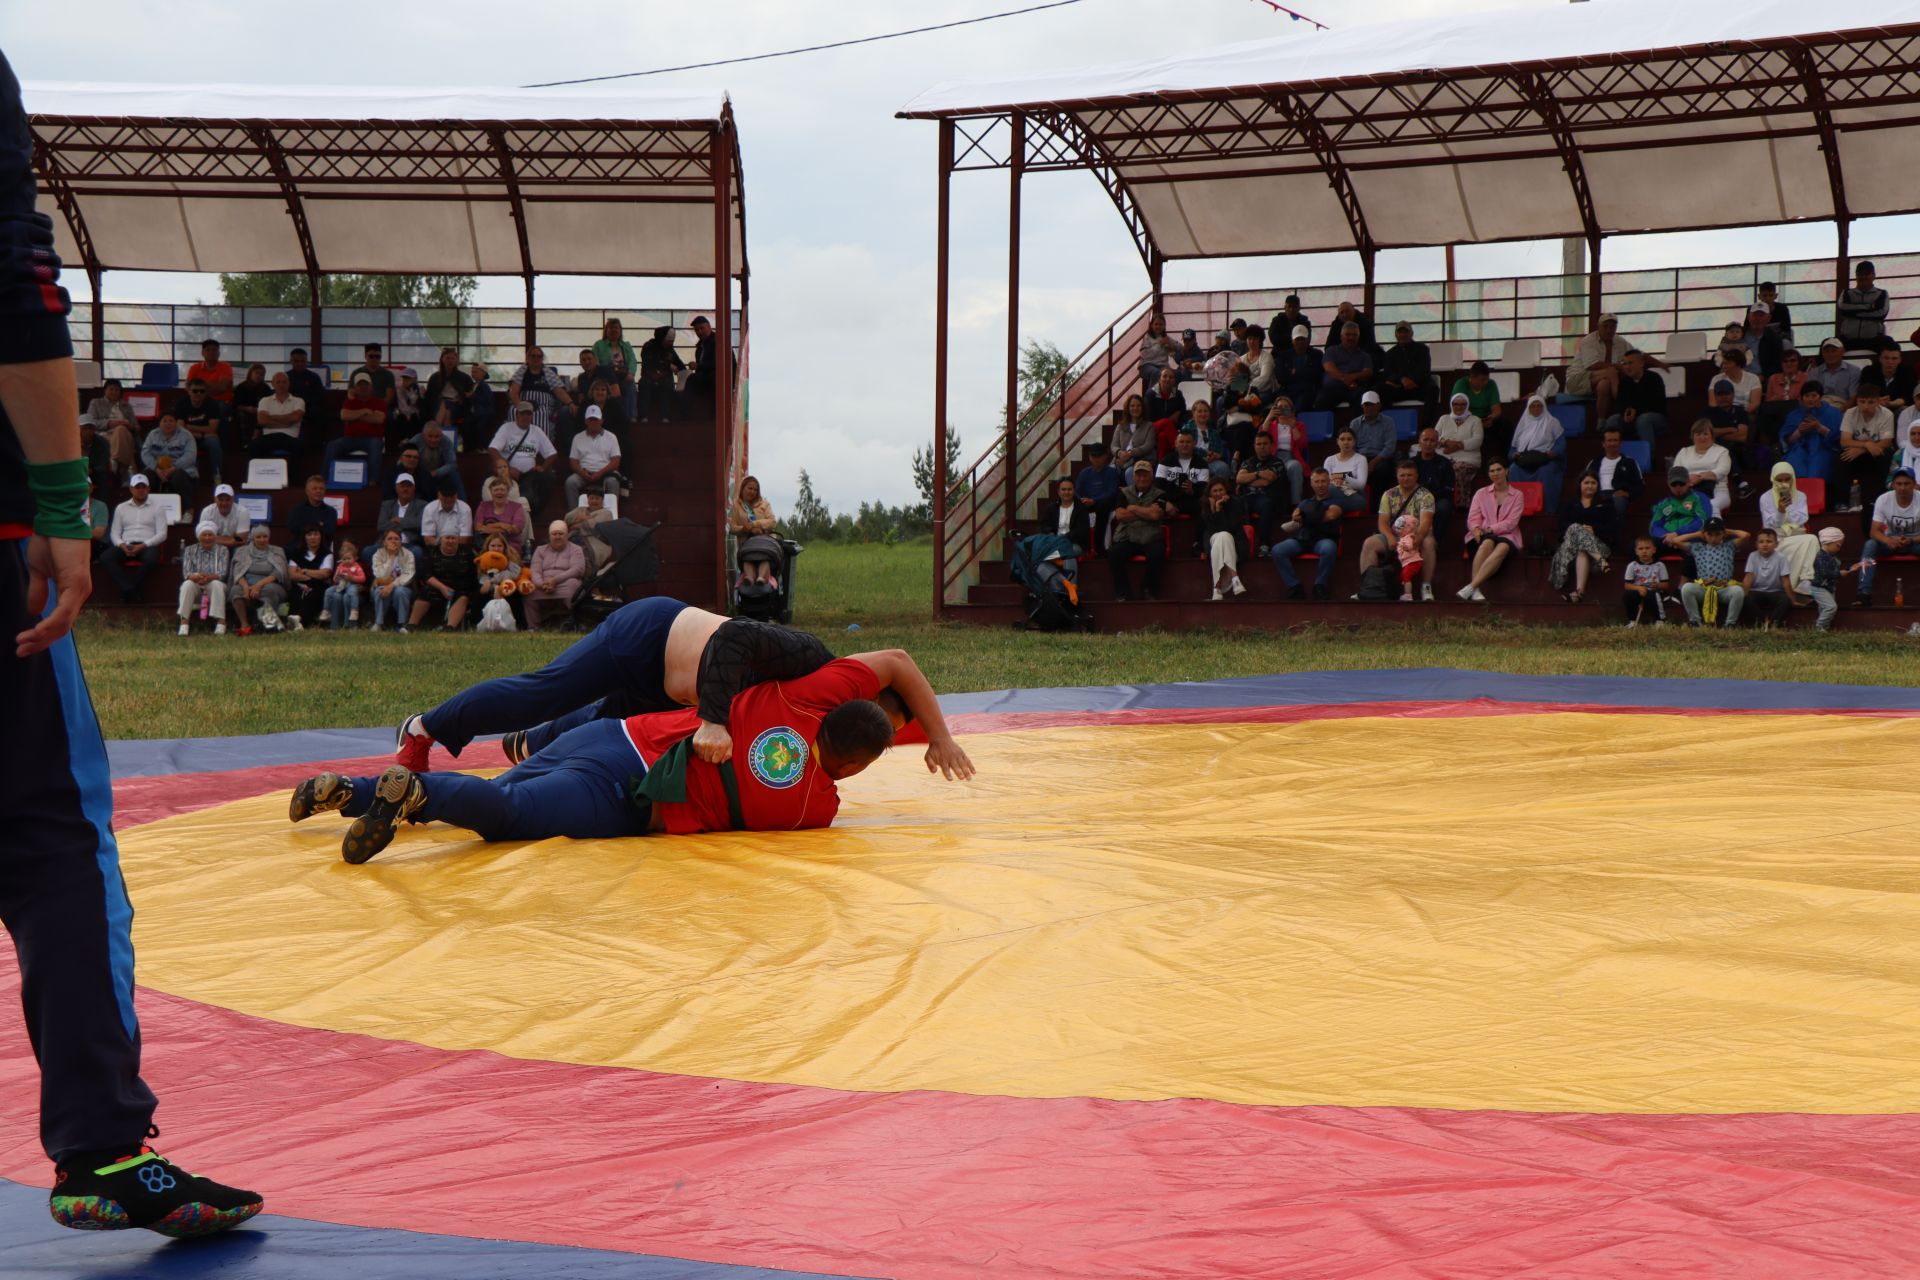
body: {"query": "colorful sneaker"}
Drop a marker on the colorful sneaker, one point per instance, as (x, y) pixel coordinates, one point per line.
(515, 746)
(109, 1193)
(412, 745)
(322, 793)
(396, 796)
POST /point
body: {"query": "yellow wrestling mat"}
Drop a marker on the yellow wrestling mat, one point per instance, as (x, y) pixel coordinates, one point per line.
(1544, 912)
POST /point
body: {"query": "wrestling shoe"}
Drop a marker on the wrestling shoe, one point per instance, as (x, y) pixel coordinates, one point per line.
(105, 1192)
(396, 796)
(412, 745)
(515, 746)
(322, 793)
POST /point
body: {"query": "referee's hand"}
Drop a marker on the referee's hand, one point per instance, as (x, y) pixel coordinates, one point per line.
(66, 565)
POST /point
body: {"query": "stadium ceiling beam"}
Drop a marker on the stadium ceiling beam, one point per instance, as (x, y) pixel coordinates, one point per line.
(1816, 100)
(1540, 97)
(1338, 178)
(1059, 139)
(504, 155)
(297, 211)
(47, 165)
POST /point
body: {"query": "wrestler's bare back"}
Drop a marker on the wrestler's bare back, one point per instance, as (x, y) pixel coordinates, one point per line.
(686, 642)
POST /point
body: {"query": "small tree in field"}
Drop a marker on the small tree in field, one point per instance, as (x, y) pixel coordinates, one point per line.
(810, 518)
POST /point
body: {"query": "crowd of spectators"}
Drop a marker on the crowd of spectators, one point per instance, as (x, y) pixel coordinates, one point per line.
(1226, 476)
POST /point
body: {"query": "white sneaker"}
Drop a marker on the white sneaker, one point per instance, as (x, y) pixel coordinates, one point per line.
(1240, 588)
(1466, 593)
(269, 620)
(1632, 623)
(219, 628)
(1478, 596)
(1218, 597)
(1426, 593)
(295, 622)
(1406, 595)
(376, 627)
(184, 628)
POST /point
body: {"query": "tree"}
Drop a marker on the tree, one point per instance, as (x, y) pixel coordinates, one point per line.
(1041, 365)
(810, 518)
(286, 289)
(923, 471)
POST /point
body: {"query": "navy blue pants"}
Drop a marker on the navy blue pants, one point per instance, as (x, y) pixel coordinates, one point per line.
(577, 787)
(61, 895)
(617, 669)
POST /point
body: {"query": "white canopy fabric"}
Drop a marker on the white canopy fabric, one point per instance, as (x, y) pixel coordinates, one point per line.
(1602, 118)
(258, 178)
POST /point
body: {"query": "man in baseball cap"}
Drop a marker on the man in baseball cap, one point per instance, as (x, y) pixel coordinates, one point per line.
(135, 536)
(1136, 531)
(229, 519)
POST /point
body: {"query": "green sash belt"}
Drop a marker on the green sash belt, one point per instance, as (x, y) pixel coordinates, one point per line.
(666, 782)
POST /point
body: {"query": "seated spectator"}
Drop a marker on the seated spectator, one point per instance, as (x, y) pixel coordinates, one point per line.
(1866, 442)
(232, 526)
(1781, 397)
(750, 513)
(1136, 531)
(438, 459)
(137, 534)
(379, 378)
(1096, 489)
(1213, 441)
(203, 578)
(1165, 399)
(616, 356)
(277, 421)
(1707, 466)
(445, 579)
(1406, 371)
(309, 574)
(1589, 531)
(1810, 435)
(446, 516)
(1436, 475)
(1862, 312)
(341, 608)
(1734, 338)
(1314, 527)
(1064, 516)
(1682, 512)
(481, 414)
(408, 407)
(1223, 533)
(582, 519)
(501, 570)
(205, 419)
(1783, 511)
(1191, 357)
(1838, 379)
(1348, 467)
(1732, 428)
(1894, 530)
(544, 390)
(1595, 370)
(244, 420)
(99, 456)
(306, 384)
(257, 582)
(1263, 376)
(170, 453)
(1539, 450)
(593, 459)
(559, 569)
(1238, 344)
(1302, 370)
(1461, 436)
(1779, 314)
(1289, 436)
(1764, 583)
(1640, 399)
(1493, 529)
(613, 414)
(1646, 580)
(1711, 594)
(524, 447)
(113, 418)
(1157, 351)
(659, 365)
(1617, 475)
(1183, 475)
(1134, 438)
(392, 591)
(448, 399)
(1483, 402)
(502, 514)
(1259, 480)
(363, 427)
(1348, 314)
(213, 373)
(1289, 317)
(1909, 455)
(1895, 378)
(1764, 344)
(501, 471)
(314, 509)
(1404, 497)
(1827, 572)
(1348, 369)
(402, 512)
(1375, 436)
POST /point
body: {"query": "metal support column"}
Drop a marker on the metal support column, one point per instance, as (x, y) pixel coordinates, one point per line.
(942, 234)
(1368, 256)
(1010, 456)
(1156, 271)
(722, 346)
(1593, 284)
(96, 279)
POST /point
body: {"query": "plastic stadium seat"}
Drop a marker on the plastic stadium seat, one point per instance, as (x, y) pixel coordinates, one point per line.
(1363, 513)
(1319, 425)
(1573, 419)
(1508, 382)
(1534, 494)
(1520, 353)
(1685, 348)
(1447, 356)
(160, 375)
(1815, 490)
(1406, 422)
(1640, 451)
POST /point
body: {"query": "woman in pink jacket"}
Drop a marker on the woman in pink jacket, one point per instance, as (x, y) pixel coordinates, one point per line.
(1493, 528)
(558, 569)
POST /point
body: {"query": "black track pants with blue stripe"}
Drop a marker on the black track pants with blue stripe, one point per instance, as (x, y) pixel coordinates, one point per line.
(61, 895)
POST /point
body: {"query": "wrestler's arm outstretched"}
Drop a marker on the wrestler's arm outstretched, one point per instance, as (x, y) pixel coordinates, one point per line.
(898, 672)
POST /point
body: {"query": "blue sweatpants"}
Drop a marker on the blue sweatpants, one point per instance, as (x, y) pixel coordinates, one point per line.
(617, 669)
(578, 787)
(61, 895)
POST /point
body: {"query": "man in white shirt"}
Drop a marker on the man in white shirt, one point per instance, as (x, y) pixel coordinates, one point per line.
(1896, 529)
(279, 417)
(1595, 368)
(525, 448)
(134, 540)
(230, 521)
(594, 460)
(447, 518)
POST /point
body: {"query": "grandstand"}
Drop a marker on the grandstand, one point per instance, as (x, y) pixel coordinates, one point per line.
(316, 181)
(1376, 138)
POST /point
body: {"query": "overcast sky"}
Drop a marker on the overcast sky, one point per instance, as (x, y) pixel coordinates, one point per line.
(840, 195)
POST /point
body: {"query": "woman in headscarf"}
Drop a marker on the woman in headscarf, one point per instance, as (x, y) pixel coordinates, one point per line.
(1539, 450)
(1461, 435)
(1783, 509)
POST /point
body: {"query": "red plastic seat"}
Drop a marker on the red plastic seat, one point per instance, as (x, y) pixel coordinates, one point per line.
(1533, 495)
(1815, 491)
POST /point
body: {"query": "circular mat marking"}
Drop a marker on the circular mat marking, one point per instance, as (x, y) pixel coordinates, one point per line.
(1563, 912)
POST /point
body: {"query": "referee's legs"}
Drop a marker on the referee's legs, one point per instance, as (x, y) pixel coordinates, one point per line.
(61, 895)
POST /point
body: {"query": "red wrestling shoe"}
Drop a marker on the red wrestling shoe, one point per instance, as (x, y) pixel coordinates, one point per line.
(412, 745)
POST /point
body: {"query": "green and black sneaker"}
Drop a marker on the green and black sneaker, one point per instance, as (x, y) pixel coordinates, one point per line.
(322, 793)
(106, 1193)
(396, 796)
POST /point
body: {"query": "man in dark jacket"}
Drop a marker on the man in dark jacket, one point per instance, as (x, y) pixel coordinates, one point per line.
(1406, 371)
(1618, 474)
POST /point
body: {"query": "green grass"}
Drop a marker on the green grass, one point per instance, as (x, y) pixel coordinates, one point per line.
(147, 683)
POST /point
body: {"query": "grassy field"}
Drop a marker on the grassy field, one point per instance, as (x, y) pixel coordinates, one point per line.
(148, 683)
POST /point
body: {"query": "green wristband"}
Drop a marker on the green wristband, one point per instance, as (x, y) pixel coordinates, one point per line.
(60, 499)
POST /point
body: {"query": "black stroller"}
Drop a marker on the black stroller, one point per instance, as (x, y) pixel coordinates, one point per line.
(758, 599)
(1053, 597)
(632, 560)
